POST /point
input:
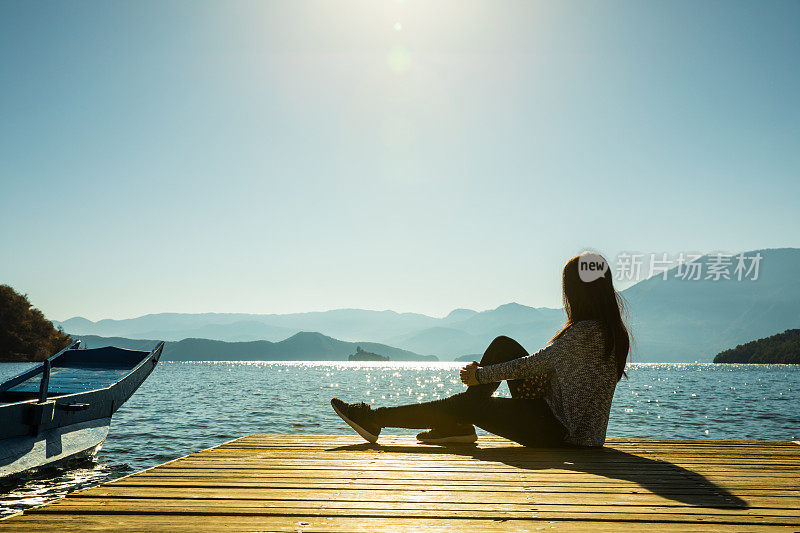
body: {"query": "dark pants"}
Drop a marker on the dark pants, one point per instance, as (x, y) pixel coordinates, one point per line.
(527, 421)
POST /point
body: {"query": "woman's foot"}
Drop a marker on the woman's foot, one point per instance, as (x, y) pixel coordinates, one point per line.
(457, 435)
(359, 417)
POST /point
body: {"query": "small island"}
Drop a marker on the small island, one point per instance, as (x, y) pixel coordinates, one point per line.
(783, 348)
(361, 355)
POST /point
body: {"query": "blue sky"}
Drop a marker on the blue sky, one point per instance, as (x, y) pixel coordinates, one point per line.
(408, 155)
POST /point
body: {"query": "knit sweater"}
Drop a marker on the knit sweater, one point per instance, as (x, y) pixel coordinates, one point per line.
(582, 378)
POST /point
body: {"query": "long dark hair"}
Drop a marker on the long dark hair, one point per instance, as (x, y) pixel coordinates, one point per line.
(596, 300)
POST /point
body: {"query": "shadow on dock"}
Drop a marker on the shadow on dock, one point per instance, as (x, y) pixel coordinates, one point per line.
(688, 487)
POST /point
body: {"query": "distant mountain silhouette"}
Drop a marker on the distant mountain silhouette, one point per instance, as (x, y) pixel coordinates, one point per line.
(445, 341)
(532, 327)
(672, 320)
(345, 324)
(304, 346)
(681, 320)
(177, 326)
(781, 348)
(243, 330)
(457, 315)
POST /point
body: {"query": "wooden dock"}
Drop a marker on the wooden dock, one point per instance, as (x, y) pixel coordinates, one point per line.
(340, 483)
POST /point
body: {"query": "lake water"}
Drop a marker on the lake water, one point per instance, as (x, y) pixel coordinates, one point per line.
(188, 406)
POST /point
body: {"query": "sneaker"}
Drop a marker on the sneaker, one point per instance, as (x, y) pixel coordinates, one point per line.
(357, 416)
(464, 435)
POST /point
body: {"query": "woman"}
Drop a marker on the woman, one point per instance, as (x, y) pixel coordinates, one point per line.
(561, 395)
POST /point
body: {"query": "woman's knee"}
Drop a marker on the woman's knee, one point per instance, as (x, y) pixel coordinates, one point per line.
(503, 342)
(506, 347)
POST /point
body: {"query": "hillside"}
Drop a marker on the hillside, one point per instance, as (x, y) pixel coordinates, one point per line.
(303, 346)
(781, 348)
(25, 333)
(682, 320)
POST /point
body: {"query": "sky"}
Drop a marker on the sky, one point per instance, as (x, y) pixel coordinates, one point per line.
(273, 157)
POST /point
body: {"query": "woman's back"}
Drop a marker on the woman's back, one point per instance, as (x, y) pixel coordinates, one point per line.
(583, 376)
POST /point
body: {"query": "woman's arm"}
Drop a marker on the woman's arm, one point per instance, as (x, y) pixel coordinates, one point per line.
(541, 362)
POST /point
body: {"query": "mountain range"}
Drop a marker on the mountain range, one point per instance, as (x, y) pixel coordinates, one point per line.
(671, 319)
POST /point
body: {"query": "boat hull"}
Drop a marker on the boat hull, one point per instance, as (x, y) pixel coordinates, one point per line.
(52, 446)
(72, 415)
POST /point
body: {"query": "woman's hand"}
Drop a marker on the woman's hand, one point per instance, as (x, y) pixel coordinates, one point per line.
(469, 374)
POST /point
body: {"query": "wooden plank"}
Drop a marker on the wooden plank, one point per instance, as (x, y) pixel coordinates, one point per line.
(490, 452)
(495, 445)
(352, 462)
(419, 510)
(489, 448)
(317, 438)
(652, 482)
(473, 453)
(491, 486)
(214, 524)
(476, 475)
(439, 495)
(464, 461)
(622, 470)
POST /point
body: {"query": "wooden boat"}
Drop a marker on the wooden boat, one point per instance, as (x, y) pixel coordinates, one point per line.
(61, 409)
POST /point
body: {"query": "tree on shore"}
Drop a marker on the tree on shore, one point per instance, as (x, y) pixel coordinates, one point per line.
(25, 333)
